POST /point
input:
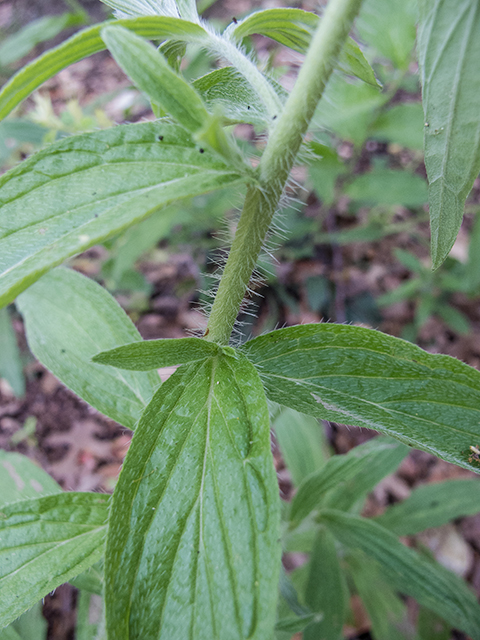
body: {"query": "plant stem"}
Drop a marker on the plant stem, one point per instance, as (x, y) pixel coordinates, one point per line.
(285, 140)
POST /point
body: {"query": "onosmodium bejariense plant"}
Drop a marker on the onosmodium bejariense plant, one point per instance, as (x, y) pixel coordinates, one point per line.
(192, 530)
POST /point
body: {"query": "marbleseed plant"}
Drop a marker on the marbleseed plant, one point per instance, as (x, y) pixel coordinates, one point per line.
(190, 539)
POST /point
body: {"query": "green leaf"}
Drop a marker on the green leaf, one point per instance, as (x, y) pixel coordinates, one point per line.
(341, 468)
(432, 627)
(294, 624)
(135, 8)
(44, 542)
(86, 628)
(227, 88)
(448, 51)
(294, 28)
(193, 547)
(11, 368)
(351, 492)
(153, 354)
(384, 608)
(392, 32)
(22, 42)
(69, 318)
(432, 505)
(152, 74)
(90, 580)
(389, 187)
(348, 108)
(302, 442)
(20, 478)
(429, 583)
(83, 189)
(9, 633)
(365, 378)
(84, 44)
(326, 589)
(402, 124)
(31, 625)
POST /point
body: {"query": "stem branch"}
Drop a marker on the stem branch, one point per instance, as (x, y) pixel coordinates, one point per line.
(285, 140)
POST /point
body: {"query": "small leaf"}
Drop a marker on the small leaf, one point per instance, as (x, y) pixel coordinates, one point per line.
(432, 505)
(44, 542)
(294, 28)
(152, 74)
(429, 583)
(392, 32)
(84, 44)
(302, 442)
(365, 378)
(193, 546)
(83, 189)
(11, 368)
(153, 354)
(326, 589)
(21, 478)
(134, 8)
(389, 187)
(294, 624)
(402, 124)
(448, 51)
(68, 319)
(341, 468)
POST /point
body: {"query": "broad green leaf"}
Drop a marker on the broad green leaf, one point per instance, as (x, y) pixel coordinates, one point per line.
(402, 124)
(431, 627)
(365, 378)
(432, 505)
(348, 108)
(448, 51)
(325, 171)
(392, 32)
(153, 354)
(9, 633)
(384, 607)
(44, 542)
(429, 583)
(85, 43)
(21, 478)
(19, 44)
(302, 442)
(86, 628)
(83, 189)
(90, 580)
(326, 589)
(294, 28)
(389, 187)
(152, 74)
(69, 318)
(193, 546)
(11, 368)
(338, 469)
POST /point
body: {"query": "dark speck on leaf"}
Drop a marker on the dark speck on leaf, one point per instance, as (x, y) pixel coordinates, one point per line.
(248, 107)
(160, 138)
(234, 20)
(63, 350)
(202, 150)
(274, 118)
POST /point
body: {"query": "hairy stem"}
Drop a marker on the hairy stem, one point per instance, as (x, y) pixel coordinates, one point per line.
(276, 163)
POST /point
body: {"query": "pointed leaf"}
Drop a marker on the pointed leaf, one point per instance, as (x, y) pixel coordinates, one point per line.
(294, 28)
(432, 505)
(365, 378)
(302, 442)
(81, 190)
(84, 44)
(153, 354)
(294, 624)
(341, 468)
(143, 7)
(69, 318)
(326, 589)
(429, 583)
(11, 368)
(152, 74)
(21, 478)
(448, 53)
(44, 542)
(193, 547)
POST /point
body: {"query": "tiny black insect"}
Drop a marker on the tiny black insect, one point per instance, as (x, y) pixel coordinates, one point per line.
(202, 150)
(160, 138)
(234, 20)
